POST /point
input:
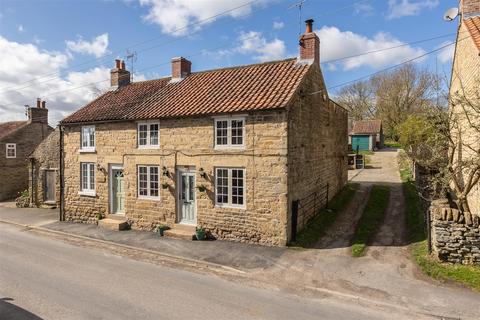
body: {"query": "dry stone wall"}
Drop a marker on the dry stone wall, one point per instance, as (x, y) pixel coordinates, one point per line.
(455, 235)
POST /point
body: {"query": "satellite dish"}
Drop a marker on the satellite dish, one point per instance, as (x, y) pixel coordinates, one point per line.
(450, 14)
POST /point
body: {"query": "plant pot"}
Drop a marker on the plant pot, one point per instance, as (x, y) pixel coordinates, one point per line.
(200, 234)
(161, 231)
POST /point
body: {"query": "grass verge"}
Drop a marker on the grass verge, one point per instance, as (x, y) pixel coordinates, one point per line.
(392, 144)
(325, 218)
(371, 218)
(467, 275)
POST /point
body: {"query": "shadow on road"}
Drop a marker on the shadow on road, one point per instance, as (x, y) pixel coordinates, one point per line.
(9, 311)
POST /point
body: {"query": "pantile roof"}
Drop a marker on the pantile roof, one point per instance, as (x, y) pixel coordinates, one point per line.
(253, 87)
(366, 127)
(7, 128)
(473, 26)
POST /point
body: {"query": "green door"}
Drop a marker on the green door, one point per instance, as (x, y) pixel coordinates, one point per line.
(118, 192)
(361, 141)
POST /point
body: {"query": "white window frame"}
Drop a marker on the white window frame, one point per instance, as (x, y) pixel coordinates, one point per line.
(148, 145)
(88, 147)
(230, 204)
(148, 197)
(229, 120)
(10, 147)
(88, 191)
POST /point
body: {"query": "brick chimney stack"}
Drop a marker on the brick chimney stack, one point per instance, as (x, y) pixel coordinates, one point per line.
(469, 8)
(309, 45)
(38, 114)
(119, 76)
(181, 68)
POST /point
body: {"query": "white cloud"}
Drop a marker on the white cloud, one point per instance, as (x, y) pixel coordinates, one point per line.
(23, 62)
(20, 28)
(402, 8)
(446, 54)
(278, 25)
(335, 44)
(174, 15)
(365, 9)
(97, 47)
(255, 44)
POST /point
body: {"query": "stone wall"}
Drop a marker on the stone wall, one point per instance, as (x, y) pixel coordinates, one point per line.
(317, 143)
(45, 157)
(14, 173)
(188, 142)
(455, 235)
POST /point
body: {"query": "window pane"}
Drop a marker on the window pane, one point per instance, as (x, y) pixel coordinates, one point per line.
(142, 181)
(142, 134)
(154, 134)
(222, 185)
(237, 186)
(83, 176)
(237, 132)
(92, 176)
(92, 137)
(222, 132)
(154, 181)
(84, 137)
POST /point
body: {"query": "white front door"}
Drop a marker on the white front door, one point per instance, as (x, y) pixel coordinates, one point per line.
(117, 192)
(186, 197)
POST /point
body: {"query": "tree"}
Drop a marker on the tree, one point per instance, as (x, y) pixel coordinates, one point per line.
(401, 93)
(359, 99)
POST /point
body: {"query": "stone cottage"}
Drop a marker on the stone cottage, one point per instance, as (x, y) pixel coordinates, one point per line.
(228, 150)
(18, 139)
(464, 90)
(44, 172)
(455, 235)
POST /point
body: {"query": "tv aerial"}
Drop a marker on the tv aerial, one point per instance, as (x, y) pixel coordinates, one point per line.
(132, 56)
(450, 14)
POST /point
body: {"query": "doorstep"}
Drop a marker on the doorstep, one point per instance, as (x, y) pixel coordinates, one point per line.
(114, 222)
(181, 231)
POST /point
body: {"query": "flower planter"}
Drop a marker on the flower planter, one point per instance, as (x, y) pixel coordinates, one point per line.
(200, 234)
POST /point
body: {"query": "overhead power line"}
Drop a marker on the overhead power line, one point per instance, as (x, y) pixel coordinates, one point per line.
(57, 75)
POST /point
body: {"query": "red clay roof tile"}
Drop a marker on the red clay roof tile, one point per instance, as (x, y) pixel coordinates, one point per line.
(366, 126)
(473, 26)
(253, 87)
(8, 127)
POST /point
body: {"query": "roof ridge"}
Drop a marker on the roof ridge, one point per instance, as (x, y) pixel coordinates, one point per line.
(246, 65)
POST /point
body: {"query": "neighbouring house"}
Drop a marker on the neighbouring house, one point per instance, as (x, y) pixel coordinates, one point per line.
(366, 135)
(44, 172)
(229, 150)
(18, 139)
(455, 234)
(464, 89)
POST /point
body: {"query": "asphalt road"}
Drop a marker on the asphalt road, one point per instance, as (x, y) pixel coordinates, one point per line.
(41, 278)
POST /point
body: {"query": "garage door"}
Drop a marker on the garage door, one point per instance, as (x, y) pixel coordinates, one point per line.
(361, 142)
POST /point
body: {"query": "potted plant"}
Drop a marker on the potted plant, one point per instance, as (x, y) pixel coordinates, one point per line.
(161, 229)
(165, 185)
(99, 216)
(200, 234)
(202, 188)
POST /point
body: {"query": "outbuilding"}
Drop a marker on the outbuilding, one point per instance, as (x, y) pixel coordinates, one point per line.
(366, 135)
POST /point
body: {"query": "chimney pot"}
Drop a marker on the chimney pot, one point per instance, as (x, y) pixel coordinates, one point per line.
(38, 114)
(43, 104)
(123, 65)
(39, 101)
(309, 24)
(117, 64)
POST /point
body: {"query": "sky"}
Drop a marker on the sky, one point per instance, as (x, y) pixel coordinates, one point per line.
(62, 51)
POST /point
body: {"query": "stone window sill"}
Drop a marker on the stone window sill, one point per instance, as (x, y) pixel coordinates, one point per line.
(87, 151)
(86, 194)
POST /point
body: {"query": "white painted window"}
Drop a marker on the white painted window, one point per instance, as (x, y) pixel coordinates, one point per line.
(88, 138)
(87, 178)
(229, 132)
(11, 150)
(230, 187)
(148, 182)
(148, 134)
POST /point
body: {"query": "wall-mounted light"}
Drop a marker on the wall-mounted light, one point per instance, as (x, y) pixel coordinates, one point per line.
(203, 174)
(165, 171)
